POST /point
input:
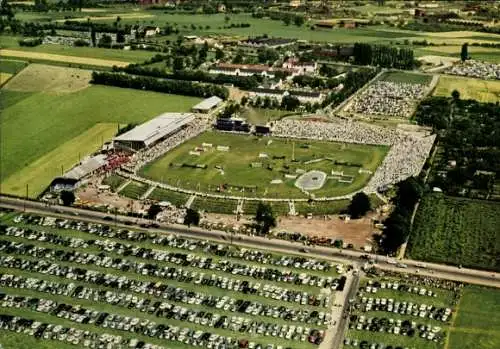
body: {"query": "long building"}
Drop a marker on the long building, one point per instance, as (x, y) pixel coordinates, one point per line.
(153, 131)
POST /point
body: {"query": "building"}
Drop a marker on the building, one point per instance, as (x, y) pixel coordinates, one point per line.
(207, 105)
(302, 96)
(232, 124)
(248, 70)
(153, 131)
(300, 67)
(264, 41)
(74, 177)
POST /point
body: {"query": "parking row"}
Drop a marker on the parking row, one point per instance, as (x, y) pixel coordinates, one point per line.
(396, 327)
(175, 241)
(170, 273)
(132, 325)
(87, 339)
(175, 258)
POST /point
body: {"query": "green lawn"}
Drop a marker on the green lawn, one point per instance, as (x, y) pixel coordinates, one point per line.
(11, 66)
(134, 190)
(114, 181)
(259, 116)
(231, 171)
(175, 198)
(13, 340)
(406, 78)
(477, 324)
(456, 231)
(488, 54)
(48, 121)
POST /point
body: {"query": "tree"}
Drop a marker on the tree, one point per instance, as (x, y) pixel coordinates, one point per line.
(409, 192)
(287, 20)
(265, 218)
(93, 36)
(219, 54)
(67, 197)
(299, 20)
(153, 211)
(464, 53)
(191, 217)
(178, 63)
(359, 206)
(244, 100)
(290, 103)
(267, 55)
(238, 58)
(455, 95)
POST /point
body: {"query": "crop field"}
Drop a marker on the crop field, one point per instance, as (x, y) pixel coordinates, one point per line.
(477, 324)
(279, 208)
(411, 78)
(156, 288)
(263, 166)
(410, 312)
(478, 53)
(480, 90)
(49, 120)
(214, 205)
(456, 231)
(12, 66)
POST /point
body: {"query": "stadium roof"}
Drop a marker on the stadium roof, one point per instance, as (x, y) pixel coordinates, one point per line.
(152, 130)
(208, 103)
(86, 167)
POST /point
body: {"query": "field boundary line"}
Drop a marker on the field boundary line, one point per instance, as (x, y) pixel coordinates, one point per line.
(453, 319)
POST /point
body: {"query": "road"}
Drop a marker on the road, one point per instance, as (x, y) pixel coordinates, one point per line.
(346, 256)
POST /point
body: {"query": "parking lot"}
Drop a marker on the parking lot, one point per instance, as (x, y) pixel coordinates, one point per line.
(76, 282)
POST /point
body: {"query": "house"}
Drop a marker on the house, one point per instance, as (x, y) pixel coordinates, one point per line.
(302, 96)
(248, 70)
(300, 67)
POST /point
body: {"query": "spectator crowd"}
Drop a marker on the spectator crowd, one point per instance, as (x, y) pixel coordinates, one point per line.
(387, 98)
(476, 69)
(405, 158)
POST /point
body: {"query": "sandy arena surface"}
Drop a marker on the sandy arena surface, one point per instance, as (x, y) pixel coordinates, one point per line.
(47, 78)
(62, 58)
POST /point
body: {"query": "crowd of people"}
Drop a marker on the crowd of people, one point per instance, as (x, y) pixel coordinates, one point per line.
(339, 130)
(405, 158)
(476, 69)
(387, 98)
(147, 155)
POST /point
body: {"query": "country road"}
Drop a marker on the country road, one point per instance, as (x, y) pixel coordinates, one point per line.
(465, 275)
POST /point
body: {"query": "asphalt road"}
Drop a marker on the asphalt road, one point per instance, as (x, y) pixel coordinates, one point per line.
(346, 256)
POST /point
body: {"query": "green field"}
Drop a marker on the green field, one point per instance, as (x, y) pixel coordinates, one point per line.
(477, 324)
(114, 181)
(411, 78)
(456, 231)
(480, 90)
(489, 54)
(258, 116)
(231, 171)
(134, 190)
(11, 66)
(48, 121)
(175, 198)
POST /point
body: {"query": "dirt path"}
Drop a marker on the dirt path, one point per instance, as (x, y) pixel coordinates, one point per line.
(62, 58)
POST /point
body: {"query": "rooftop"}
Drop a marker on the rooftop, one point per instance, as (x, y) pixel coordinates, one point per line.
(86, 167)
(152, 130)
(208, 103)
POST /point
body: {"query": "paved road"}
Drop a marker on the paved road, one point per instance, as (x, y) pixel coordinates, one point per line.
(346, 256)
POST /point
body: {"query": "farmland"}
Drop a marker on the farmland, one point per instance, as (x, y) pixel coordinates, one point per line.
(232, 169)
(411, 78)
(456, 231)
(477, 324)
(172, 286)
(49, 120)
(480, 90)
(406, 312)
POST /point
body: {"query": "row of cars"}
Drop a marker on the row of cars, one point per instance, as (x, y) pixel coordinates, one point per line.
(374, 286)
(404, 308)
(177, 242)
(168, 273)
(175, 258)
(86, 339)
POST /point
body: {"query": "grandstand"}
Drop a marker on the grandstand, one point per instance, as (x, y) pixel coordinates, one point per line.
(153, 131)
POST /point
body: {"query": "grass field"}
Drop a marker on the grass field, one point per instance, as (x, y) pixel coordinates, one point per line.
(114, 181)
(38, 174)
(233, 169)
(11, 66)
(258, 116)
(480, 90)
(456, 231)
(50, 120)
(479, 53)
(134, 190)
(4, 77)
(175, 198)
(406, 78)
(477, 324)
(204, 290)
